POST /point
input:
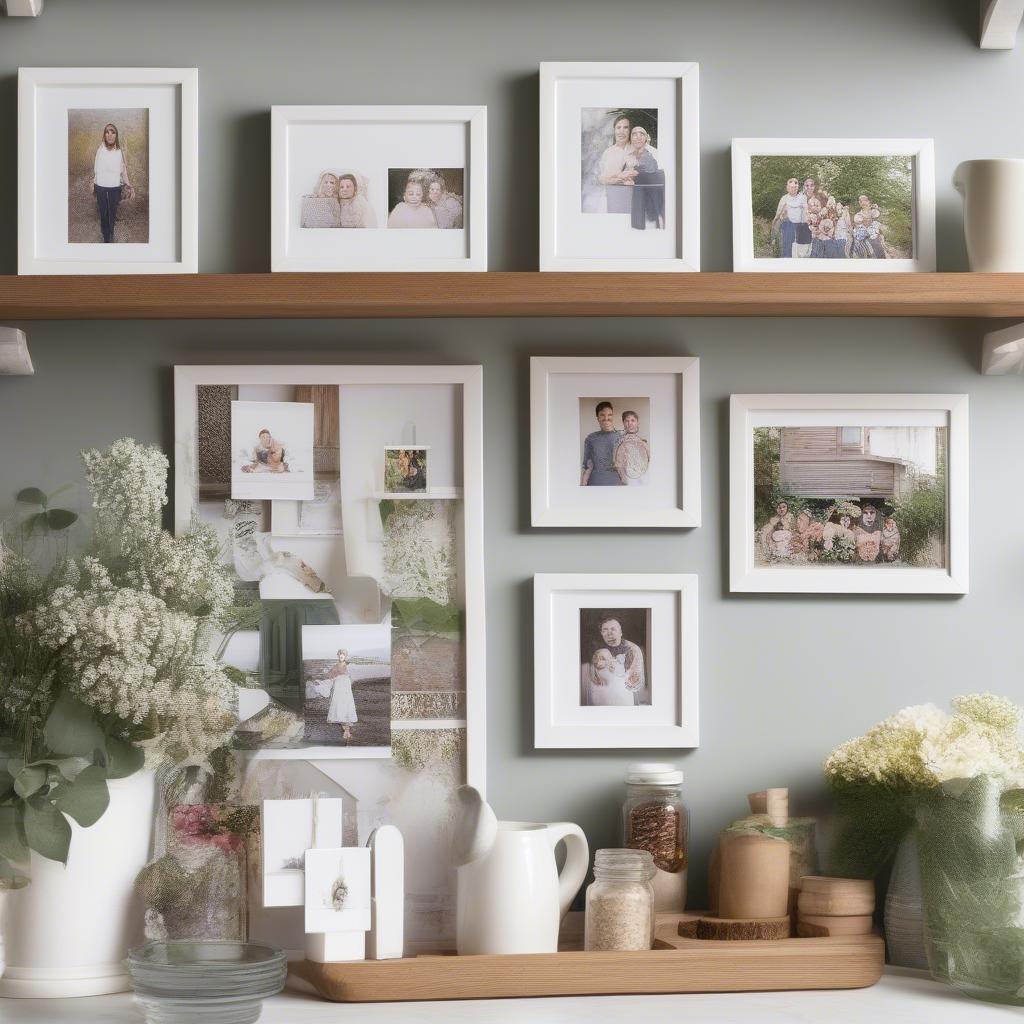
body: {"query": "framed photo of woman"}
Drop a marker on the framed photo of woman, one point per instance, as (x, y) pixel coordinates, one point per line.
(620, 166)
(833, 205)
(108, 170)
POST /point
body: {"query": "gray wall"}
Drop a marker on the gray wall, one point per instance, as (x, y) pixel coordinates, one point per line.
(783, 679)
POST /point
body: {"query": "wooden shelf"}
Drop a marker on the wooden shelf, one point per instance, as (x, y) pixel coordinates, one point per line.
(329, 296)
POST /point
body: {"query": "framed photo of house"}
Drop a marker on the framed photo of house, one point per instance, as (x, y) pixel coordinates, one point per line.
(833, 205)
(847, 494)
(615, 660)
(619, 166)
(615, 441)
(378, 188)
(108, 170)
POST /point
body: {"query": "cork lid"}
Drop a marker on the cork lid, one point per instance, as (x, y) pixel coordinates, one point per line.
(653, 773)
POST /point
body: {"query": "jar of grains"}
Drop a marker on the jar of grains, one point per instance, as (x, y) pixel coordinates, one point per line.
(654, 818)
(620, 902)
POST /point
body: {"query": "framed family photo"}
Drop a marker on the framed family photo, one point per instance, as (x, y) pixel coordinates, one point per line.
(378, 188)
(848, 494)
(615, 441)
(616, 660)
(620, 166)
(108, 174)
(833, 205)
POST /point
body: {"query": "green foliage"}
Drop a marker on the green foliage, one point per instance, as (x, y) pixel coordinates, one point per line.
(767, 451)
(922, 516)
(426, 616)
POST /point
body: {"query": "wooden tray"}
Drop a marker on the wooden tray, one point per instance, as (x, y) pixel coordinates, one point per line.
(676, 965)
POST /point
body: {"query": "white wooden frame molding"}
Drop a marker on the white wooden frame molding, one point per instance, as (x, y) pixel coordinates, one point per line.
(187, 82)
(744, 577)
(687, 370)
(923, 231)
(687, 74)
(548, 732)
(475, 118)
(1000, 20)
(470, 379)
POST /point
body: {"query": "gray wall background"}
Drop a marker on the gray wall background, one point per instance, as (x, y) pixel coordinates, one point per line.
(783, 679)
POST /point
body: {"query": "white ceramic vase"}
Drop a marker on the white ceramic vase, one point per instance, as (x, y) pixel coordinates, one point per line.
(67, 933)
(993, 192)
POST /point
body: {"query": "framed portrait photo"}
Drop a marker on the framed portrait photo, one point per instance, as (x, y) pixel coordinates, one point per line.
(378, 188)
(620, 166)
(615, 441)
(833, 205)
(615, 660)
(848, 494)
(108, 174)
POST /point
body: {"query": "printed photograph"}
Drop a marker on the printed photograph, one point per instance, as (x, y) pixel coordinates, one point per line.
(615, 667)
(614, 439)
(339, 199)
(346, 672)
(337, 889)
(108, 176)
(833, 207)
(272, 450)
(425, 197)
(405, 470)
(622, 172)
(851, 495)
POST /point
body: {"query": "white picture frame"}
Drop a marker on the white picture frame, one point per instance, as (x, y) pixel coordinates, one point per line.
(671, 718)
(748, 412)
(294, 248)
(922, 151)
(562, 223)
(173, 246)
(288, 829)
(559, 387)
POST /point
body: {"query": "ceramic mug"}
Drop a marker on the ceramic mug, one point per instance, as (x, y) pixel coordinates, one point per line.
(993, 192)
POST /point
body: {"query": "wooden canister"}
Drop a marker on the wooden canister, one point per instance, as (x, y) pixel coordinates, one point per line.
(836, 897)
(813, 926)
(753, 876)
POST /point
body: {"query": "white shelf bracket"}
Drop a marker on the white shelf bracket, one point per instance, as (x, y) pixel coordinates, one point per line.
(24, 8)
(14, 358)
(1002, 352)
(1000, 20)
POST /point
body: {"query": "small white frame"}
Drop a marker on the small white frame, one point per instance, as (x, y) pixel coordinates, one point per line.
(475, 118)
(745, 577)
(687, 74)
(549, 731)
(686, 513)
(923, 230)
(30, 81)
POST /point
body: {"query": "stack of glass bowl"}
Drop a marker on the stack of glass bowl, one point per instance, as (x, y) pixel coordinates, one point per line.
(200, 981)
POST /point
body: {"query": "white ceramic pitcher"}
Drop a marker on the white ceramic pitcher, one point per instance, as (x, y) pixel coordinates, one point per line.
(993, 192)
(510, 896)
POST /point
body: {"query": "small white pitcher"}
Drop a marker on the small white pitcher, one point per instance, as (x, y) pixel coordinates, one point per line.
(993, 192)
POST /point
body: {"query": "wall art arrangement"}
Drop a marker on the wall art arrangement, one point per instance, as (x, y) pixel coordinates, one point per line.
(413, 179)
(848, 494)
(833, 205)
(620, 166)
(108, 170)
(365, 653)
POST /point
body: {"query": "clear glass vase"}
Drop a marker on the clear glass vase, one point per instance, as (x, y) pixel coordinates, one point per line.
(971, 844)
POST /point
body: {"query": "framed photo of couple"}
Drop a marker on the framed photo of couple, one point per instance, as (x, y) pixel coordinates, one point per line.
(833, 205)
(615, 441)
(615, 660)
(619, 166)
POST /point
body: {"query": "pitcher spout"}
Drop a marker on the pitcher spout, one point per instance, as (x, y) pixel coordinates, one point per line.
(476, 827)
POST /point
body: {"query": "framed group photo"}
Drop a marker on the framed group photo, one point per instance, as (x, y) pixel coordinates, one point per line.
(108, 174)
(847, 494)
(615, 441)
(378, 188)
(620, 166)
(833, 205)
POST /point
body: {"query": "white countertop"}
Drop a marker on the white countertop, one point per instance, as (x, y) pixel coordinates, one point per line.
(901, 997)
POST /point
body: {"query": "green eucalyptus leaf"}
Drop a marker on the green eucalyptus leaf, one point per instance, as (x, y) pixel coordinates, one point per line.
(86, 799)
(36, 521)
(47, 830)
(10, 877)
(31, 779)
(32, 496)
(13, 846)
(423, 614)
(60, 518)
(69, 768)
(71, 728)
(122, 758)
(387, 508)
(6, 783)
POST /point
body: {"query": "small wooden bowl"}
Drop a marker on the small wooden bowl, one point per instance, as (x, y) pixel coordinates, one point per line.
(816, 926)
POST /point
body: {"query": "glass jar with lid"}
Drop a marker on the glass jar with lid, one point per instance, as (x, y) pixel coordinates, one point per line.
(620, 902)
(655, 819)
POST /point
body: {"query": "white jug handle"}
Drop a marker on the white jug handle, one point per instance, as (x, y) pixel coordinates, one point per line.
(577, 862)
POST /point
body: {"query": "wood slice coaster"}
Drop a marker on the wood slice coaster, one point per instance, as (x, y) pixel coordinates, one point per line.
(737, 929)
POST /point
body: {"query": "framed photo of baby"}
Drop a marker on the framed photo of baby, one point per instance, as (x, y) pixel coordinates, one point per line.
(849, 493)
(833, 205)
(272, 450)
(616, 660)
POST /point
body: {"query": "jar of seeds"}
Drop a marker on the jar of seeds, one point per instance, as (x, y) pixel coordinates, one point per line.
(655, 819)
(620, 902)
